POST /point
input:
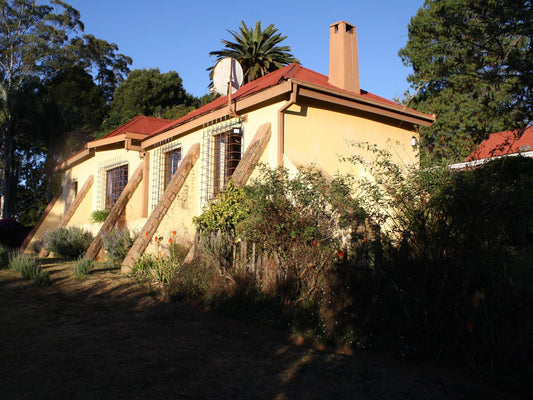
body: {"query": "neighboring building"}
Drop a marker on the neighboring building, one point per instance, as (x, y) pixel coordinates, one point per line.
(500, 144)
(293, 117)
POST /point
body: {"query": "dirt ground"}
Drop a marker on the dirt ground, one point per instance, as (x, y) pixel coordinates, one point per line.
(103, 337)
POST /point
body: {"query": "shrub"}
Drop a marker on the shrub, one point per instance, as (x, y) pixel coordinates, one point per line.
(83, 267)
(99, 215)
(70, 243)
(4, 256)
(225, 213)
(117, 244)
(36, 246)
(12, 232)
(154, 270)
(41, 278)
(25, 264)
(29, 268)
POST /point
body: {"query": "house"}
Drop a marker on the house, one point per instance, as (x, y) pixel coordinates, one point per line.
(499, 144)
(156, 179)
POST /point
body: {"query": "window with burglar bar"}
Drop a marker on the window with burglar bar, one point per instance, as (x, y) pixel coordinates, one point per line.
(116, 180)
(221, 153)
(172, 162)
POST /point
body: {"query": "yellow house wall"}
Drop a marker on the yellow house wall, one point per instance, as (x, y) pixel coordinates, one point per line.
(188, 202)
(50, 222)
(318, 136)
(82, 171)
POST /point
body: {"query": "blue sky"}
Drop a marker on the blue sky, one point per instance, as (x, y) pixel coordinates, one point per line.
(178, 35)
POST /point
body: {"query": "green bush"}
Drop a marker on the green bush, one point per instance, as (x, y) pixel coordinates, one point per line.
(36, 246)
(99, 215)
(28, 267)
(117, 244)
(70, 243)
(4, 256)
(153, 269)
(225, 213)
(83, 267)
(41, 278)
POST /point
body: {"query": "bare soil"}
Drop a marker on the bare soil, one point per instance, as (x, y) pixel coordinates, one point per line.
(104, 337)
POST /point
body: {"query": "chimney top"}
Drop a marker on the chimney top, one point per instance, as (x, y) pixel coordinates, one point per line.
(343, 58)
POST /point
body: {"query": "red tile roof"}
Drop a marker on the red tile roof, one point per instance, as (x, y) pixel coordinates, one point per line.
(291, 71)
(503, 143)
(140, 124)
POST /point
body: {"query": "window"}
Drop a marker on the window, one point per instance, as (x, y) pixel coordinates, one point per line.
(116, 180)
(172, 162)
(72, 192)
(225, 158)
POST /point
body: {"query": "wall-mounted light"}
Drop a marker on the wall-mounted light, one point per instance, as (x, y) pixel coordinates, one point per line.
(236, 131)
(413, 141)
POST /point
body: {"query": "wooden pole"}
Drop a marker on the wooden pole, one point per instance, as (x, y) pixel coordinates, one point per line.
(41, 219)
(252, 155)
(172, 190)
(116, 212)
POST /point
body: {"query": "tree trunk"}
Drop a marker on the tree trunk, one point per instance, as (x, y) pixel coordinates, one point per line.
(9, 184)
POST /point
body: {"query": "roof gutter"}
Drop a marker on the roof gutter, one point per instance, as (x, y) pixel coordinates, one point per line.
(477, 163)
(281, 122)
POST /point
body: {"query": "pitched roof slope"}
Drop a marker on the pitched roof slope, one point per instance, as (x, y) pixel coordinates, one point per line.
(140, 124)
(291, 71)
(503, 143)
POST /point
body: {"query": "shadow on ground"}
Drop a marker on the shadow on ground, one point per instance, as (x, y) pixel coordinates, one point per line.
(104, 338)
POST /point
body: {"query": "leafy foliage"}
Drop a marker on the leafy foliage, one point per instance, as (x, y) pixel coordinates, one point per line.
(12, 232)
(29, 268)
(99, 215)
(83, 267)
(474, 59)
(258, 51)
(42, 56)
(225, 213)
(148, 92)
(70, 243)
(4, 256)
(117, 243)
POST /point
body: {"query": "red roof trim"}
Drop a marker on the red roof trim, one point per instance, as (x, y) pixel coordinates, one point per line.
(291, 71)
(140, 124)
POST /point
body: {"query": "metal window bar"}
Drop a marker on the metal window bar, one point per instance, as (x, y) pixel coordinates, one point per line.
(101, 186)
(160, 173)
(221, 153)
(116, 180)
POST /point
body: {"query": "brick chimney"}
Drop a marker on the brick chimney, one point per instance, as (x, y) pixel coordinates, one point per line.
(343, 60)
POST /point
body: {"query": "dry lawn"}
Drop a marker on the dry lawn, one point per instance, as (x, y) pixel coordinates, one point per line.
(103, 337)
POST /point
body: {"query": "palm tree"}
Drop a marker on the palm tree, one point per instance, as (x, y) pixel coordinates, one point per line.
(256, 50)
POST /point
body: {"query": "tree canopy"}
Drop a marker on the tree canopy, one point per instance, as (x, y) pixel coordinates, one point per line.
(39, 43)
(148, 92)
(258, 51)
(472, 66)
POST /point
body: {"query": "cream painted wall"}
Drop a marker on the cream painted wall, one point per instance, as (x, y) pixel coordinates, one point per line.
(91, 166)
(49, 223)
(312, 136)
(317, 136)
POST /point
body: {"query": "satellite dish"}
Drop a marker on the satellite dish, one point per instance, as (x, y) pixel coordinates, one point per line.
(226, 70)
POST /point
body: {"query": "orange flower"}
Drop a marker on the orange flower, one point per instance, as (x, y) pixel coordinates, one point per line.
(173, 233)
(170, 240)
(340, 253)
(470, 326)
(315, 242)
(156, 239)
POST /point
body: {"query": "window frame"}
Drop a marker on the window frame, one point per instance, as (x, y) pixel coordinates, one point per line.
(171, 165)
(116, 180)
(225, 157)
